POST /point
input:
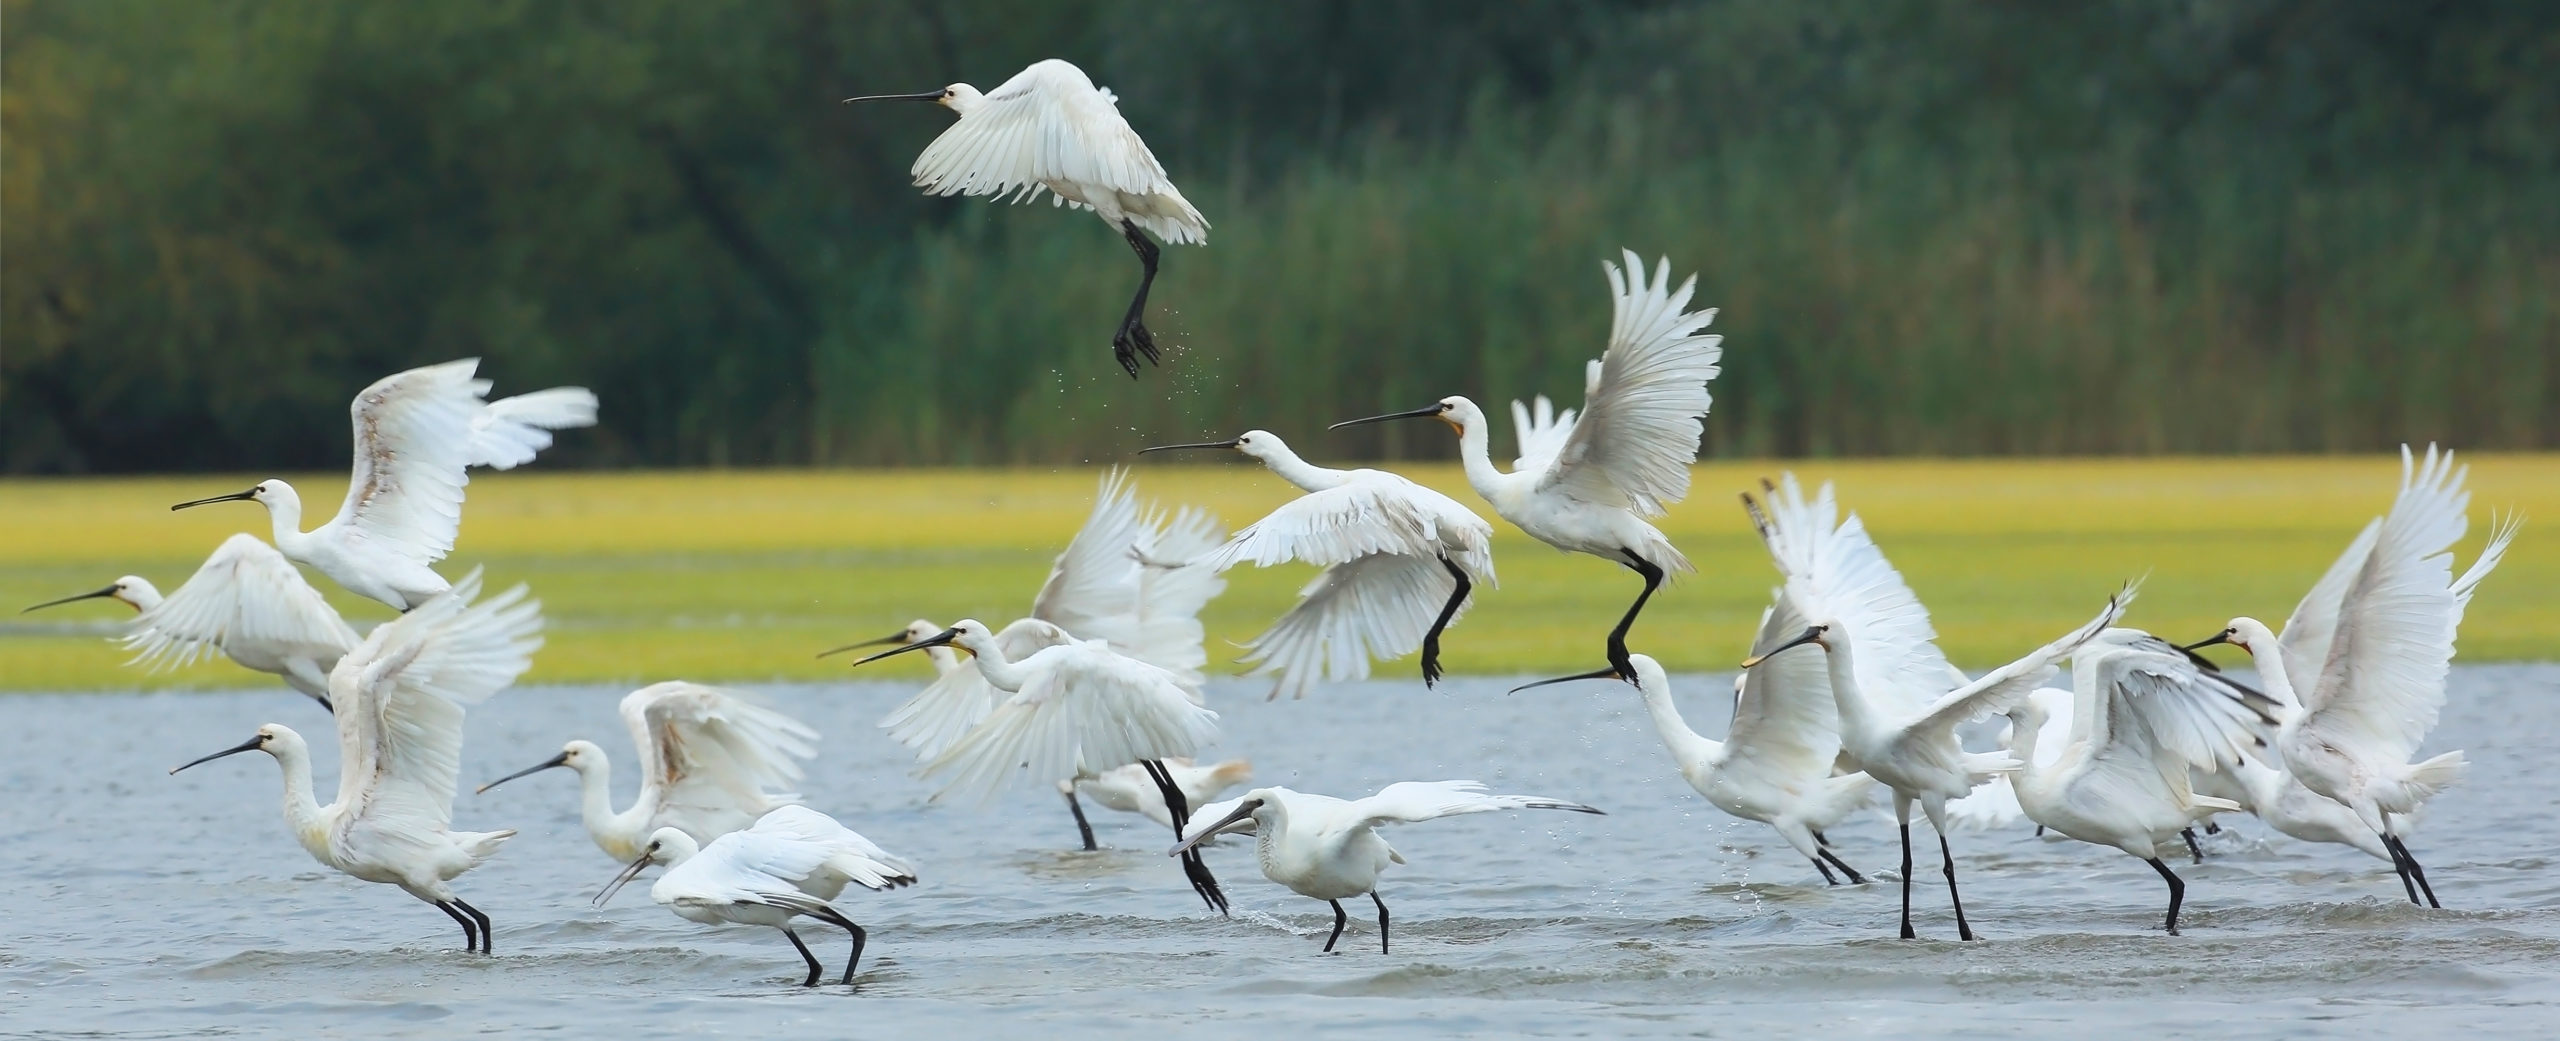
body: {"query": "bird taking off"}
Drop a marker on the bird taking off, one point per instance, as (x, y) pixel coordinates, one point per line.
(1050, 129)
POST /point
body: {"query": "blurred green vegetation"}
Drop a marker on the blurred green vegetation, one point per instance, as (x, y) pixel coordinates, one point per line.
(2124, 226)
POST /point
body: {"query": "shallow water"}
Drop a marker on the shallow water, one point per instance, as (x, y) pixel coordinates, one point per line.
(142, 905)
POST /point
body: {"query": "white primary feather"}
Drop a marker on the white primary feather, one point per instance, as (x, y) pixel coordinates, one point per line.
(1378, 606)
(1415, 801)
(1835, 571)
(958, 700)
(1639, 428)
(413, 443)
(1049, 128)
(400, 697)
(1081, 707)
(509, 432)
(250, 603)
(712, 759)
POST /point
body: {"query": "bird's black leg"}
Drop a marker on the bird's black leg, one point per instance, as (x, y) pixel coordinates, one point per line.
(1843, 865)
(2400, 867)
(1448, 611)
(1083, 827)
(2415, 871)
(1382, 920)
(1907, 934)
(2039, 831)
(837, 917)
(487, 933)
(1827, 877)
(1340, 919)
(2177, 891)
(1963, 930)
(1133, 339)
(812, 959)
(1618, 636)
(2213, 827)
(470, 929)
(2193, 848)
(1193, 866)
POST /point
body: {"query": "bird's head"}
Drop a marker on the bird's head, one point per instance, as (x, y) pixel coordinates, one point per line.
(916, 631)
(2243, 632)
(968, 634)
(129, 591)
(1256, 805)
(1646, 674)
(1460, 413)
(958, 97)
(580, 756)
(275, 739)
(666, 846)
(1819, 635)
(270, 493)
(1258, 444)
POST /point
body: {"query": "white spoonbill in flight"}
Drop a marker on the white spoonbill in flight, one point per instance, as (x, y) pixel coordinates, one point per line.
(2366, 653)
(712, 761)
(1075, 709)
(248, 602)
(2144, 717)
(792, 862)
(1050, 129)
(1394, 552)
(416, 434)
(1626, 458)
(1327, 848)
(399, 698)
(1899, 700)
(1112, 583)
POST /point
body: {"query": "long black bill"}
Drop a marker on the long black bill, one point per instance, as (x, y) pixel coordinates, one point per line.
(624, 878)
(897, 637)
(233, 497)
(940, 639)
(1809, 636)
(1420, 413)
(1243, 810)
(250, 745)
(1228, 443)
(1610, 673)
(930, 95)
(107, 592)
(2220, 637)
(558, 760)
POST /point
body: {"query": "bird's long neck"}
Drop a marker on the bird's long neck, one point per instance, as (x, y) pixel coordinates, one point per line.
(1857, 720)
(302, 811)
(1475, 453)
(1687, 747)
(620, 834)
(1307, 476)
(2269, 657)
(1004, 674)
(2024, 732)
(943, 660)
(144, 596)
(284, 516)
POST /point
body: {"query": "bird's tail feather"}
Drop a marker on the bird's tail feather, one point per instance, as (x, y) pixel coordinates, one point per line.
(2420, 783)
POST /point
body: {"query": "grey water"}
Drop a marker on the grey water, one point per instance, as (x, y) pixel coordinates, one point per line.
(135, 904)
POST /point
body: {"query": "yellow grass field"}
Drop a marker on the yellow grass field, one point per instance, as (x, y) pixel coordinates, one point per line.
(744, 576)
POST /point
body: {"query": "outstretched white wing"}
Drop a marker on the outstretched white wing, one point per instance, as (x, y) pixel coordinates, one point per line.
(1092, 589)
(715, 759)
(1409, 801)
(413, 434)
(1047, 126)
(1639, 429)
(246, 596)
(2003, 687)
(1376, 512)
(1083, 708)
(1784, 717)
(1174, 585)
(842, 850)
(399, 699)
(1377, 606)
(2142, 690)
(508, 432)
(1835, 573)
(2381, 680)
(959, 699)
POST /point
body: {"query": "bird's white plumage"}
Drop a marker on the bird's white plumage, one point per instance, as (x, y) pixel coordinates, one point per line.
(2144, 716)
(1994, 805)
(1639, 428)
(1049, 128)
(1377, 606)
(414, 441)
(1328, 848)
(789, 855)
(1541, 430)
(1835, 571)
(1128, 789)
(250, 603)
(713, 760)
(955, 701)
(400, 698)
(509, 432)
(1077, 708)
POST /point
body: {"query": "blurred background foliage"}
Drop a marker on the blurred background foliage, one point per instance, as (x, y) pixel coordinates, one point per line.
(2122, 226)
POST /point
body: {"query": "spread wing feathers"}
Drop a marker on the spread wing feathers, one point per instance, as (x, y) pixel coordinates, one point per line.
(509, 431)
(246, 594)
(2305, 643)
(1409, 801)
(1128, 577)
(1083, 707)
(1377, 606)
(1992, 805)
(2004, 687)
(1835, 572)
(1048, 126)
(959, 699)
(1784, 712)
(1174, 586)
(838, 849)
(399, 698)
(712, 754)
(1092, 590)
(2382, 680)
(1640, 426)
(1542, 432)
(1375, 513)
(413, 446)
(2145, 694)
(2500, 534)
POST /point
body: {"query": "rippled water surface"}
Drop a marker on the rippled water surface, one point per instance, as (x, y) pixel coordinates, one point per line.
(134, 904)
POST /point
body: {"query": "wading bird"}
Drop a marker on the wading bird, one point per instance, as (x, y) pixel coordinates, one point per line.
(1626, 458)
(2143, 718)
(2365, 655)
(417, 433)
(1327, 848)
(1394, 552)
(1775, 764)
(400, 697)
(246, 601)
(1899, 701)
(1126, 578)
(1050, 129)
(1075, 709)
(792, 862)
(711, 762)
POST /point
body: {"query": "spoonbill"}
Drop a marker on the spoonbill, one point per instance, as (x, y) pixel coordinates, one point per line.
(1132, 789)
(1393, 552)
(1898, 715)
(246, 601)
(2282, 803)
(400, 696)
(1050, 129)
(1076, 708)
(2143, 717)
(1328, 848)
(792, 862)
(1109, 584)
(2374, 641)
(1627, 456)
(417, 433)
(712, 761)
(1775, 764)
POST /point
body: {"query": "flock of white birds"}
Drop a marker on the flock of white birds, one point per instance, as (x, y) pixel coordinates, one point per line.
(1098, 690)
